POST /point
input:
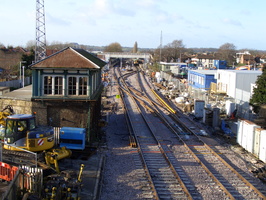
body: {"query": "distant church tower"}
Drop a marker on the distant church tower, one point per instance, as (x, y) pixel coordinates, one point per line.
(40, 42)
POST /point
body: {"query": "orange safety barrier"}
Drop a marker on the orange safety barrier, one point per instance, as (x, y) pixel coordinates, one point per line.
(7, 172)
(13, 172)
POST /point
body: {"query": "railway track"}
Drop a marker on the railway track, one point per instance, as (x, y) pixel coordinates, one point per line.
(163, 179)
(177, 164)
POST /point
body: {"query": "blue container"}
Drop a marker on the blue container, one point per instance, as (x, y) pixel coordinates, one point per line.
(72, 138)
(220, 64)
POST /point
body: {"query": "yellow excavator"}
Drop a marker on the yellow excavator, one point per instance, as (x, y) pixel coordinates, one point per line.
(8, 110)
(21, 133)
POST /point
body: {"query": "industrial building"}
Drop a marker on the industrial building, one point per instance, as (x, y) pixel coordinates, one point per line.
(201, 79)
(238, 86)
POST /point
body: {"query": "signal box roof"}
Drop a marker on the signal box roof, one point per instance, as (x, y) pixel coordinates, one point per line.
(70, 58)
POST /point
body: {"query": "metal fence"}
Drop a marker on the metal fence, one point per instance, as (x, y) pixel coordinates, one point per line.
(27, 180)
(15, 83)
(20, 157)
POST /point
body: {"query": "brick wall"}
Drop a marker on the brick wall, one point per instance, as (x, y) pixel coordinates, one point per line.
(62, 114)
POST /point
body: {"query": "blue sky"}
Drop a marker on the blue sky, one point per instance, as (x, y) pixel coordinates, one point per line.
(199, 23)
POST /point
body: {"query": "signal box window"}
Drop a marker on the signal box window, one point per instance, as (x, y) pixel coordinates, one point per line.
(77, 85)
(47, 85)
(53, 85)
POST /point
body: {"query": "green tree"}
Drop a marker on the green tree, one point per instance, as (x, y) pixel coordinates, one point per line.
(113, 47)
(259, 92)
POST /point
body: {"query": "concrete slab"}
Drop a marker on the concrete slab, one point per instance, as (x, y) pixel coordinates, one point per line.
(21, 94)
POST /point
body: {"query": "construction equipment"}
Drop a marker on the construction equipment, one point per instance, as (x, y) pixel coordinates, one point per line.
(8, 110)
(22, 134)
(72, 138)
(66, 185)
(21, 131)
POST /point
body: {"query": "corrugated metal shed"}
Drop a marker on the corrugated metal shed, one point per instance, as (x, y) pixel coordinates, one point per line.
(244, 78)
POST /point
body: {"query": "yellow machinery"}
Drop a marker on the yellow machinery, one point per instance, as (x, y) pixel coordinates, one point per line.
(8, 110)
(21, 133)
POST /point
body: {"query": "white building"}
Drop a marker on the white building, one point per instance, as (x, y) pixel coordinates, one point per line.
(238, 85)
(238, 55)
(174, 67)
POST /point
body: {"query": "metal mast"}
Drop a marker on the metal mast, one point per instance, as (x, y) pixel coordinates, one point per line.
(161, 40)
(40, 43)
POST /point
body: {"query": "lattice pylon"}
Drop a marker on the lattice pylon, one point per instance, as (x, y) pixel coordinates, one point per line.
(40, 42)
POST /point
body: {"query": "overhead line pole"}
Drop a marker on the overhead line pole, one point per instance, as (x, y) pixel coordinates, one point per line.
(40, 42)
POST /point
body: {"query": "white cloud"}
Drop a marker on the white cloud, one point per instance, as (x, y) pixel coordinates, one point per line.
(232, 22)
(56, 20)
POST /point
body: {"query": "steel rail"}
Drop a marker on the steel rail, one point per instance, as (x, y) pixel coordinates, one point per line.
(155, 194)
(237, 173)
(169, 125)
(158, 142)
(213, 152)
(185, 190)
(225, 163)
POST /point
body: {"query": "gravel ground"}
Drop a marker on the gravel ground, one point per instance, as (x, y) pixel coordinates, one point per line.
(119, 174)
(121, 179)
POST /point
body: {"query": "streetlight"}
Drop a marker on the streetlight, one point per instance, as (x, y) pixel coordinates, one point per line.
(20, 72)
(23, 67)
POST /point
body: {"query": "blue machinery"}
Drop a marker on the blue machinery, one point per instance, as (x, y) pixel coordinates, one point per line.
(72, 138)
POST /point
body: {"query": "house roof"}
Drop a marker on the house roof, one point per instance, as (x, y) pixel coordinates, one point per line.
(70, 58)
(248, 57)
(202, 56)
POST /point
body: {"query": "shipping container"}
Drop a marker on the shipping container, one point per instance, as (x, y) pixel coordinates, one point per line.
(229, 107)
(248, 135)
(262, 152)
(239, 136)
(256, 146)
(199, 108)
(220, 64)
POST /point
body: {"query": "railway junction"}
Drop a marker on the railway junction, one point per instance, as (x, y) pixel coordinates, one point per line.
(153, 151)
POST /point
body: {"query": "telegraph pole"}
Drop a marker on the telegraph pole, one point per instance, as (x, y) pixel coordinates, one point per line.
(161, 40)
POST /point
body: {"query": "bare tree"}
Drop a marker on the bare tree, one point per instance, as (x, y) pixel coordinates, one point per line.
(113, 47)
(172, 51)
(30, 44)
(227, 52)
